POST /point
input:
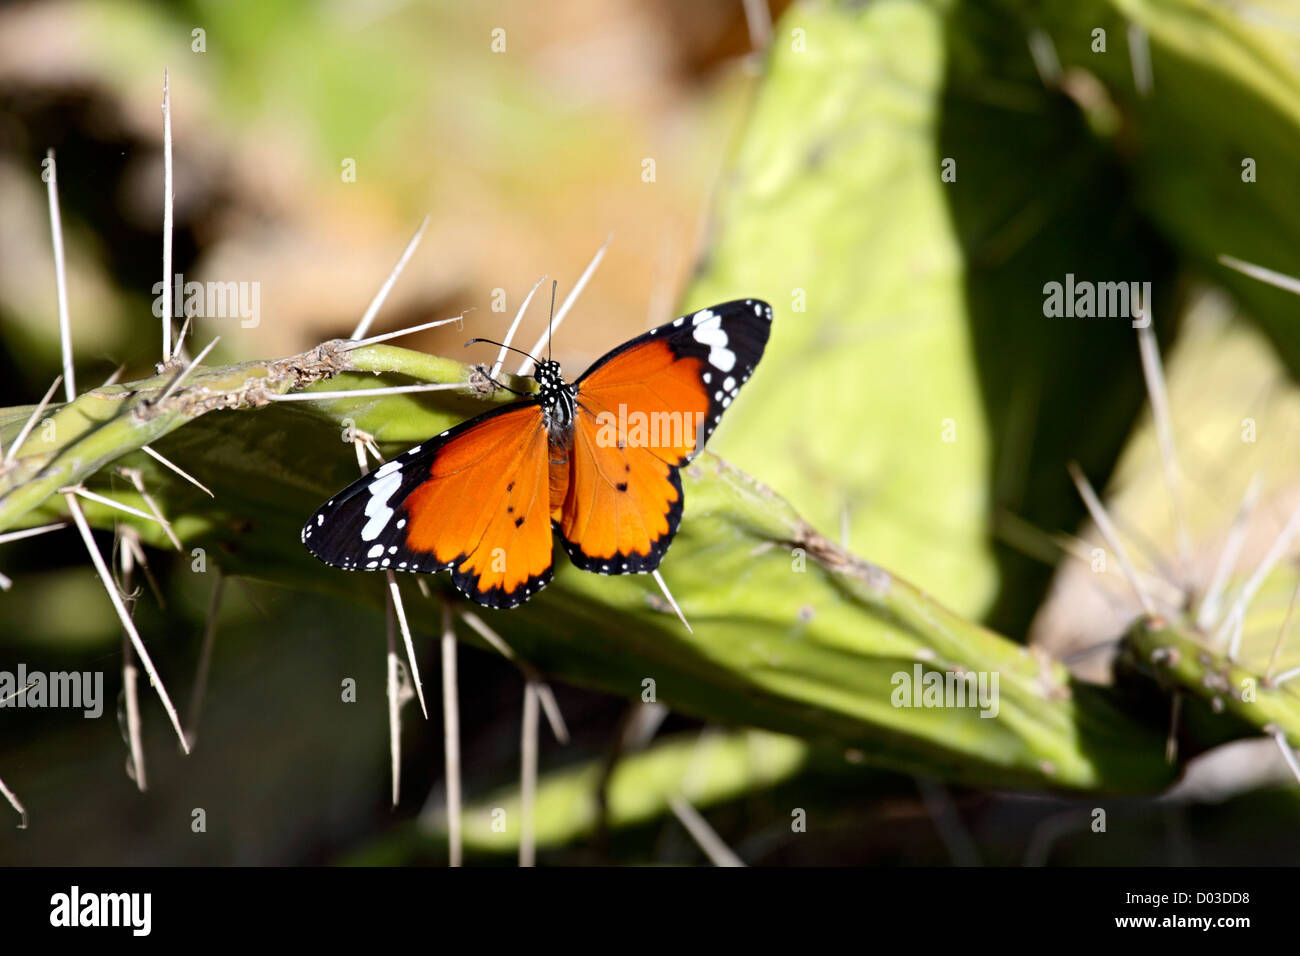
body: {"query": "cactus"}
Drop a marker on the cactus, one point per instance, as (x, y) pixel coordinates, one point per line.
(791, 633)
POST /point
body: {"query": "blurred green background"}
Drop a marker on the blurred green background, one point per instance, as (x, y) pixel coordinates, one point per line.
(916, 405)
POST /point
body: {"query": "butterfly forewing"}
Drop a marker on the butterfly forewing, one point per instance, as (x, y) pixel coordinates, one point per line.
(474, 501)
(643, 410)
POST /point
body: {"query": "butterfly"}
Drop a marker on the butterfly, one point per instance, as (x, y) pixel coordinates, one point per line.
(594, 462)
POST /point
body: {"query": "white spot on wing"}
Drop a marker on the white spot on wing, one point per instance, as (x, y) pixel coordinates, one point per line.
(709, 331)
(377, 509)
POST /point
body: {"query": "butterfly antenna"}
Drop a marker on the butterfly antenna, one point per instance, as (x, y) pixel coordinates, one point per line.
(504, 346)
(549, 320)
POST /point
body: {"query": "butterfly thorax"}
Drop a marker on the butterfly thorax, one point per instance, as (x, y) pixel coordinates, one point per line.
(558, 400)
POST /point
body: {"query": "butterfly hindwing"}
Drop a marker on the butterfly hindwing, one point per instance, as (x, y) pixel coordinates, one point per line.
(474, 501)
(642, 411)
(621, 506)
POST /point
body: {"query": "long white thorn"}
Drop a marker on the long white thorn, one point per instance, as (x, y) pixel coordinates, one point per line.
(97, 559)
(946, 820)
(528, 777)
(180, 376)
(205, 655)
(363, 392)
(394, 702)
(1285, 676)
(179, 348)
(759, 20)
(1102, 520)
(370, 446)
(168, 202)
(31, 532)
(131, 693)
(668, 595)
(1279, 279)
(1282, 634)
(1208, 612)
(376, 339)
(1171, 739)
(26, 430)
(704, 835)
(451, 737)
(15, 803)
(1287, 753)
(112, 379)
(1275, 554)
(19, 692)
(563, 310)
(551, 709)
(184, 474)
(489, 635)
(130, 677)
(1158, 394)
(1237, 627)
(514, 327)
(131, 539)
(396, 595)
(109, 502)
(1082, 550)
(133, 475)
(1139, 52)
(1261, 17)
(1046, 61)
(364, 325)
(60, 273)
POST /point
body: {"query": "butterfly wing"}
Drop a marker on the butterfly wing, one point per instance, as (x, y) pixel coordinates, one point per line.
(474, 501)
(642, 411)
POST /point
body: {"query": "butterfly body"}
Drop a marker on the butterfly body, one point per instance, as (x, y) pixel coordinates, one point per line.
(559, 401)
(594, 462)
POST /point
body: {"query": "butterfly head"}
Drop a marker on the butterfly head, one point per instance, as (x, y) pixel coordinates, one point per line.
(550, 380)
(557, 399)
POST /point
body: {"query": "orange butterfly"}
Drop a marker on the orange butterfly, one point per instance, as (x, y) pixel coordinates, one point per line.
(595, 462)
